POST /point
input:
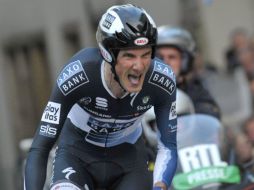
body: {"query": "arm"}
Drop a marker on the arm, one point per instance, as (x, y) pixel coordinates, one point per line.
(46, 135)
(166, 161)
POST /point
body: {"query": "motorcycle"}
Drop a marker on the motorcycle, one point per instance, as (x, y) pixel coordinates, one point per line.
(201, 142)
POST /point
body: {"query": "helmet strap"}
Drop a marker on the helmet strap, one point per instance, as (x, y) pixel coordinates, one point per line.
(114, 55)
(116, 76)
(186, 64)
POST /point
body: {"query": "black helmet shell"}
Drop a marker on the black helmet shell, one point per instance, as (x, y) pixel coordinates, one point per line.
(125, 26)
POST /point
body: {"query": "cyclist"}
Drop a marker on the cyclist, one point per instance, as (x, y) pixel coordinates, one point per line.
(176, 47)
(96, 107)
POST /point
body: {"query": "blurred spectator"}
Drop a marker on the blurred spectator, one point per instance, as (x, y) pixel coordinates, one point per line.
(246, 59)
(251, 85)
(243, 148)
(177, 48)
(244, 157)
(248, 128)
(238, 40)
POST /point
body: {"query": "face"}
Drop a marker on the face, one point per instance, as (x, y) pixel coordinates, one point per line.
(170, 56)
(131, 67)
(240, 40)
(250, 130)
(243, 148)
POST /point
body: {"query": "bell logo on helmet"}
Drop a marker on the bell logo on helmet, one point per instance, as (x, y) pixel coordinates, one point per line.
(106, 55)
(141, 41)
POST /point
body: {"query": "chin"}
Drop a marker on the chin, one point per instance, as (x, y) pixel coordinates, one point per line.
(134, 89)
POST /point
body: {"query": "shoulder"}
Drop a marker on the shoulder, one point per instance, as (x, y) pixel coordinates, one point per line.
(87, 55)
(77, 71)
(162, 76)
(159, 66)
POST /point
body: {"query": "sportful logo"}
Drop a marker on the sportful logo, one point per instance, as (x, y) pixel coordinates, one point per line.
(51, 113)
(162, 77)
(72, 76)
(101, 103)
(107, 23)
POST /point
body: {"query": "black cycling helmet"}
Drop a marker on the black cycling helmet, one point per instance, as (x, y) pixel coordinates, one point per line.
(180, 39)
(125, 26)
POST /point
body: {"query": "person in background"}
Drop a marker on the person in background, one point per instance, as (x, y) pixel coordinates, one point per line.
(243, 147)
(176, 47)
(246, 60)
(248, 128)
(239, 39)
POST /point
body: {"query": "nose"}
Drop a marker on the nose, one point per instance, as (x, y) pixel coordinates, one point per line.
(138, 65)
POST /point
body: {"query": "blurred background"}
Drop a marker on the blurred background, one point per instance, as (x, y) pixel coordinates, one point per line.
(38, 37)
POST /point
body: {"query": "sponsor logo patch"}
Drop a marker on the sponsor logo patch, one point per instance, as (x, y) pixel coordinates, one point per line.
(48, 131)
(107, 126)
(72, 76)
(141, 41)
(106, 55)
(85, 101)
(51, 113)
(145, 99)
(172, 113)
(144, 108)
(68, 171)
(65, 185)
(107, 23)
(101, 103)
(173, 128)
(162, 77)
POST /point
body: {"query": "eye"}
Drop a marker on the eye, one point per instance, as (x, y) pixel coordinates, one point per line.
(128, 55)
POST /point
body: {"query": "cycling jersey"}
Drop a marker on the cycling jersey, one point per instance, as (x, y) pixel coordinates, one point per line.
(120, 167)
(82, 95)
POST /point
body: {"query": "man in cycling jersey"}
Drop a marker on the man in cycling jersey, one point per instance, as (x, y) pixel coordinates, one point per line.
(96, 107)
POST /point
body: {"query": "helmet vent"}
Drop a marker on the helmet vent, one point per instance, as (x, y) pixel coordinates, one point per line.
(132, 28)
(122, 36)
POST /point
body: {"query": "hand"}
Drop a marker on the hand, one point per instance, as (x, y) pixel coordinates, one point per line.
(160, 186)
(157, 188)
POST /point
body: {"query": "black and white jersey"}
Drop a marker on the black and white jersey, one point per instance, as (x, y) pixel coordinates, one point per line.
(81, 94)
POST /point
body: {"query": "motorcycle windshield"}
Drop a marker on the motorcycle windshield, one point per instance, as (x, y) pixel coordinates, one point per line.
(200, 165)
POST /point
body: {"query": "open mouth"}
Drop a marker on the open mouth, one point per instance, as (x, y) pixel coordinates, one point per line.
(134, 79)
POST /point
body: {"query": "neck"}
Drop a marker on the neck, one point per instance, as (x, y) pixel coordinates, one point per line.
(112, 84)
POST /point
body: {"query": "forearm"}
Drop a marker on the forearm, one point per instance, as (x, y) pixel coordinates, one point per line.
(35, 170)
(165, 166)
